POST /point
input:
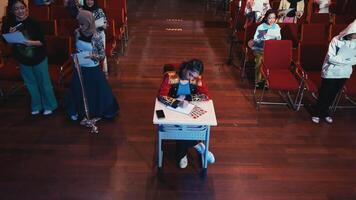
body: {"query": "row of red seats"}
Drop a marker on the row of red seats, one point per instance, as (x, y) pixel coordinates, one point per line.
(310, 42)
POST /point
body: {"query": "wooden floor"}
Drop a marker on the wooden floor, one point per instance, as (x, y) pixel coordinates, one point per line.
(271, 154)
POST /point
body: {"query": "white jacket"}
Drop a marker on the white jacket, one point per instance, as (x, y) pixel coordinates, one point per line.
(336, 65)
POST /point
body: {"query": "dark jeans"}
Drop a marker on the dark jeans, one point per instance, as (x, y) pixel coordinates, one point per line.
(327, 93)
(182, 147)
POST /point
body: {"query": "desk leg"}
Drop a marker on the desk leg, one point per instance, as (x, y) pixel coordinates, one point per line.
(207, 136)
(160, 152)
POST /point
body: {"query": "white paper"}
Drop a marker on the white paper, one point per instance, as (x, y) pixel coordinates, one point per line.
(273, 34)
(15, 37)
(346, 52)
(257, 6)
(185, 110)
(286, 11)
(99, 22)
(83, 58)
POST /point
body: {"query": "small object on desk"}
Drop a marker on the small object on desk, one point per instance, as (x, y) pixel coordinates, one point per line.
(185, 110)
(160, 114)
(197, 112)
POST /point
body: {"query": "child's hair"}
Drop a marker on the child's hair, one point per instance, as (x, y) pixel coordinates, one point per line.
(192, 65)
(270, 11)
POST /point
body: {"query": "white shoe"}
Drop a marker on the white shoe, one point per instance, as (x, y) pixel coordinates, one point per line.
(329, 120)
(74, 117)
(316, 120)
(183, 163)
(47, 112)
(200, 147)
(35, 112)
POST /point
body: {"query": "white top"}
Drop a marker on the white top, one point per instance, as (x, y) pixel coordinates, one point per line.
(176, 118)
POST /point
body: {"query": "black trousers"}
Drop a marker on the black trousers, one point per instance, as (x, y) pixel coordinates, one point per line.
(327, 92)
(182, 147)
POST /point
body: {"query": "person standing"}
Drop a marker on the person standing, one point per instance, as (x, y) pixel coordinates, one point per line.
(32, 57)
(337, 68)
(255, 10)
(290, 10)
(101, 101)
(100, 24)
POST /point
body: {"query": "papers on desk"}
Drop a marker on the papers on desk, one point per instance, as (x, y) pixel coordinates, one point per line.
(185, 110)
(346, 52)
(99, 22)
(14, 37)
(83, 58)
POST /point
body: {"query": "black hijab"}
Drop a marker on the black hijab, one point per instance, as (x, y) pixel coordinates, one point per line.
(91, 9)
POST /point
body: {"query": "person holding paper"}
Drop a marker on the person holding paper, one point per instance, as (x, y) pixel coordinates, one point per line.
(323, 5)
(268, 30)
(255, 10)
(337, 68)
(177, 89)
(31, 55)
(100, 23)
(90, 45)
(290, 10)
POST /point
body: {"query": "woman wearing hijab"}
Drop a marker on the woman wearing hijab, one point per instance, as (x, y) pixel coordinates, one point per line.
(101, 101)
(290, 10)
(337, 68)
(100, 22)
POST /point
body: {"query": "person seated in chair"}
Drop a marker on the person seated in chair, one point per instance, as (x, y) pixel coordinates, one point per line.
(177, 89)
(268, 30)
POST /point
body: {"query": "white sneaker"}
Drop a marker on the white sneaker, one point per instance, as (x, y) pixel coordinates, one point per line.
(35, 112)
(200, 147)
(183, 163)
(47, 112)
(329, 120)
(74, 117)
(316, 120)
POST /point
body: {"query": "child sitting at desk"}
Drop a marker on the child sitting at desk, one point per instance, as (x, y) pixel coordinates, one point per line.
(177, 89)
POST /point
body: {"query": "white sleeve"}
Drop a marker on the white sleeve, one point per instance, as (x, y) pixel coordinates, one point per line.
(335, 59)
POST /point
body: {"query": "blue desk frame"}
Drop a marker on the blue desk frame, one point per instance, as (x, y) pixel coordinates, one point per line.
(183, 132)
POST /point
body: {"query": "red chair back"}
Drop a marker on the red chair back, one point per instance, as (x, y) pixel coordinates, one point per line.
(66, 27)
(320, 18)
(39, 12)
(49, 27)
(289, 31)
(311, 56)
(336, 29)
(314, 33)
(59, 12)
(277, 54)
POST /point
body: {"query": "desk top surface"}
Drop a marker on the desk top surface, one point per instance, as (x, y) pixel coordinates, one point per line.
(174, 117)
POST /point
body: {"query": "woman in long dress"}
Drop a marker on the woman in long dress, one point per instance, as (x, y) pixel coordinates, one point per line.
(101, 101)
